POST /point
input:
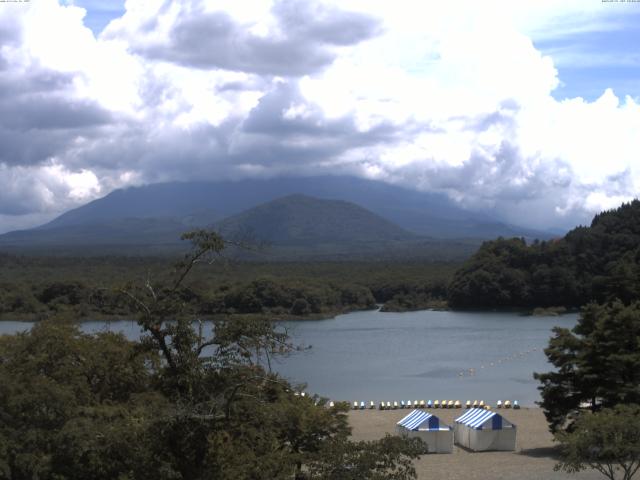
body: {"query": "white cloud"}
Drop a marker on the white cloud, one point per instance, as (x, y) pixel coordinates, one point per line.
(44, 189)
(447, 96)
(597, 139)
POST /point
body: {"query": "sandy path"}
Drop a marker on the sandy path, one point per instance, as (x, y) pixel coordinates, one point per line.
(533, 458)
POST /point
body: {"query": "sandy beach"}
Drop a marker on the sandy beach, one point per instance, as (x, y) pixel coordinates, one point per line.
(533, 459)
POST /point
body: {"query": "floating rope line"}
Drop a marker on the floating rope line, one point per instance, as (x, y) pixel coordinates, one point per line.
(471, 372)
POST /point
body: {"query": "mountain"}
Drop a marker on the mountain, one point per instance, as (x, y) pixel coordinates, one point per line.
(299, 227)
(303, 220)
(333, 216)
(200, 203)
(125, 231)
(294, 227)
(130, 236)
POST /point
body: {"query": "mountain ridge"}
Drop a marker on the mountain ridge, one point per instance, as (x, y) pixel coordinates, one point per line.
(299, 219)
(423, 213)
(292, 227)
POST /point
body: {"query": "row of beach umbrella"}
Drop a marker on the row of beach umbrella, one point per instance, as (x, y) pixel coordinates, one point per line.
(422, 404)
(430, 404)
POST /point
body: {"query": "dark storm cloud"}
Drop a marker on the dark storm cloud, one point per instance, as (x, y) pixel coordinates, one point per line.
(263, 143)
(275, 115)
(34, 81)
(154, 154)
(255, 83)
(32, 133)
(284, 129)
(30, 147)
(284, 112)
(41, 99)
(44, 112)
(210, 40)
(40, 118)
(18, 197)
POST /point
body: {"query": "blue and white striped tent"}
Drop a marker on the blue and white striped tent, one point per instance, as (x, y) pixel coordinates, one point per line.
(426, 426)
(419, 420)
(479, 429)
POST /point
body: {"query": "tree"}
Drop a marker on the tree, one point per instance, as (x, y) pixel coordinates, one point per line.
(64, 393)
(231, 421)
(597, 362)
(387, 459)
(238, 419)
(183, 403)
(607, 441)
(596, 263)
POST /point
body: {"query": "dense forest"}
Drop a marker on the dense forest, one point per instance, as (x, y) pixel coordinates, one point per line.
(175, 405)
(596, 263)
(37, 287)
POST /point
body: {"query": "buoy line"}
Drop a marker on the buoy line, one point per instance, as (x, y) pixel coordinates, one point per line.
(471, 372)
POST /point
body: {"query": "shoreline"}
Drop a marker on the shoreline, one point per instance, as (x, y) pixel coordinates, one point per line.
(326, 315)
(533, 459)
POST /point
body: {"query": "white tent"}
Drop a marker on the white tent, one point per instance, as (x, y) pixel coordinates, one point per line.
(437, 436)
(479, 429)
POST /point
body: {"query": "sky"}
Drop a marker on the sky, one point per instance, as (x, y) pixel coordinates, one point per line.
(528, 110)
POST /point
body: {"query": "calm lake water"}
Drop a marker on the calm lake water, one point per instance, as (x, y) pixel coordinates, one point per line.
(424, 355)
(408, 356)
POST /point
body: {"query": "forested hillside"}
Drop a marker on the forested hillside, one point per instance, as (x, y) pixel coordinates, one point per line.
(304, 220)
(34, 288)
(596, 263)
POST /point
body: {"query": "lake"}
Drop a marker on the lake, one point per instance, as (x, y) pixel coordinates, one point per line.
(407, 356)
(424, 355)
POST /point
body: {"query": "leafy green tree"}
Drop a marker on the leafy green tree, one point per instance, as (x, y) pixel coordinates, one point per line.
(387, 459)
(54, 377)
(596, 263)
(607, 441)
(597, 362)
(300, 307)
(237, 419)
(182, 403)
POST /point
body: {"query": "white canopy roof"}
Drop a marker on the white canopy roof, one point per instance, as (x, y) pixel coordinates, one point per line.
(481, 419)
(419, 420)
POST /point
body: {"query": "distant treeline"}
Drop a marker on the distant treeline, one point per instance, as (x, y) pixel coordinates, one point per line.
(596, 263)
(33, 288)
